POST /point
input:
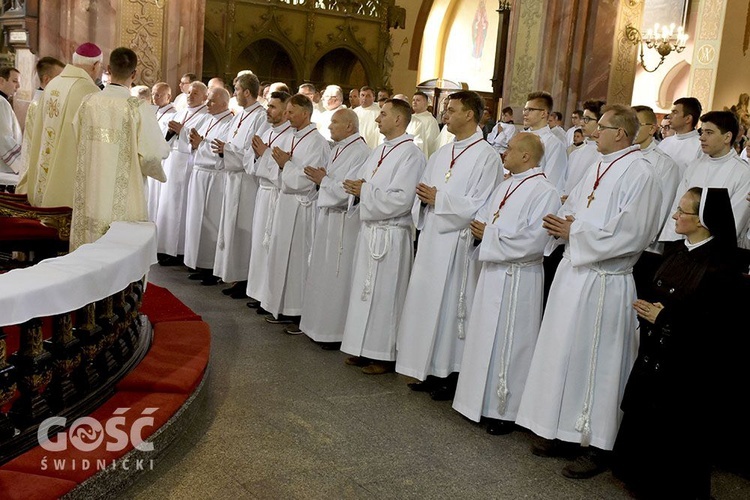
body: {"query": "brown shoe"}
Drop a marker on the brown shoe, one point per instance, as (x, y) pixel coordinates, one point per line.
(356, 361)
(379, 367)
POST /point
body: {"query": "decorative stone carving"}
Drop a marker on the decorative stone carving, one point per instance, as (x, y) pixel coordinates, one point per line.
(142, 29)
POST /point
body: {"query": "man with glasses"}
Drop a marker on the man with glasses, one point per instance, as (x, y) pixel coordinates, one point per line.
(581, 159)
(669, 175)
(181, 101)
(333, 100)
(684, 146)
(535, 116)
(587, 341)
(575, 119)
(719, 166)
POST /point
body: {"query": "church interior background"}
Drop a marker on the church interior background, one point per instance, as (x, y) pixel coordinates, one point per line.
(501, 48)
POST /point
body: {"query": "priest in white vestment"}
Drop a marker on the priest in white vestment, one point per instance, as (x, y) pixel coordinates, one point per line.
(47, 68)
(119, 145)
(279, 134)
(555, 162)
(206, 187)
(456, 183)
(170, 218)
(500, 136)
(294, 219)
(719, 166)
(367, 112)
(53, 154)
(161, 96)
(384, 188)
(684, 146)
(241, 186)
(507, 308)
(329, 277)
(423, 126)
(11, 137)
(587, 342)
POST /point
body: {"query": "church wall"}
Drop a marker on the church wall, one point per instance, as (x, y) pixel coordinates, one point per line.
(404, 79)
(469, 54)
(733, 72)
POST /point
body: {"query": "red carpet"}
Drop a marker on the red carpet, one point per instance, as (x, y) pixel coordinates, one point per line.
(156, 389)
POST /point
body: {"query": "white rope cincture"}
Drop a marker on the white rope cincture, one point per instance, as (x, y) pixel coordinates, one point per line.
(510, 326)
(375, 255)
(269, 218)
(341, 242)
(465, 235)
(583, 423)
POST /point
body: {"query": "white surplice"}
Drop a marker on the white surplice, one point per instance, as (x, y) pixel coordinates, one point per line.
(368, 127)
(501, 135)
(727, 171)
(384, 252)
(587, 342)
(119, 145)
(233, 247)
(507, 308)
(170, 218)
(684, 149)
(555, 161)
(669, 174)
(294, 224)
(579, 162)
(424, 127)
(205, 193)
(10, 139)
(329, 278)
(163, 115)
(441, 288)
(268, 173)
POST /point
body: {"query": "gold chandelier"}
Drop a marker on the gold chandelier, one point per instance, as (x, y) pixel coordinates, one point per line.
(664, 40)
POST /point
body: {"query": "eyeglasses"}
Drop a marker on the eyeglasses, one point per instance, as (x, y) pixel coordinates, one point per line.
(680, 211)
(647, 124)
(601, 127)
(529, 110)
(587, 119)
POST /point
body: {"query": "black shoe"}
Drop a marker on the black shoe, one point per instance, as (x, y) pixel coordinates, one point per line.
(197, 276)
(588, 465)
(330, 346)
(443, 393)
(262, 311)
(554, 448)
(238, 294)
(293, 330)
(283, 319)
(498, 427)
(170, 260)
(210, 281)
(228, 291)
(253, 304)
(428, 385)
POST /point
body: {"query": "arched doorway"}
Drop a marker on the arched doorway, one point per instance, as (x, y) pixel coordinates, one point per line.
(340, 67)
(269, 61)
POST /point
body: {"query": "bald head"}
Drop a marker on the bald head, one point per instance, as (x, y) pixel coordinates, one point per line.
(525, 151)
(218, 100)
(344, 123)
(216, 82)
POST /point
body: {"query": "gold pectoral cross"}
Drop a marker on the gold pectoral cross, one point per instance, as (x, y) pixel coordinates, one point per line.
(447, 175)
(590, 198)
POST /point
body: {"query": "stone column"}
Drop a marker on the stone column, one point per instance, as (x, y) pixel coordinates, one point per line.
(707, 44)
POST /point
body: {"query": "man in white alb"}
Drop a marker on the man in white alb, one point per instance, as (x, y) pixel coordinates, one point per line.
(669, 175)
(587, 342)
(502, 132)
(161, 97)
(535, 115)
(683, 145)
(507, 308)
(279, 133)
(588, 154)
(11, 137)
(456, 183)
(181, 101)
(555, 122)
(294, 219)
(423, 126)
(718, 166)
(206, 187)
(367, 112)
(172, 213)
(328, 284)
(333, 100)
(575, 119)
(384, 191)
(236, 159)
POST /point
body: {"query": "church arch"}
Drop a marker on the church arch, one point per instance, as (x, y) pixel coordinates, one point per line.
(213, 60)
(343, 67)
(674, 85)
(270, 60)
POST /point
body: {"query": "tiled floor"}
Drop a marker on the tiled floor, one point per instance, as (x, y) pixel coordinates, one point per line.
(284, 419)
